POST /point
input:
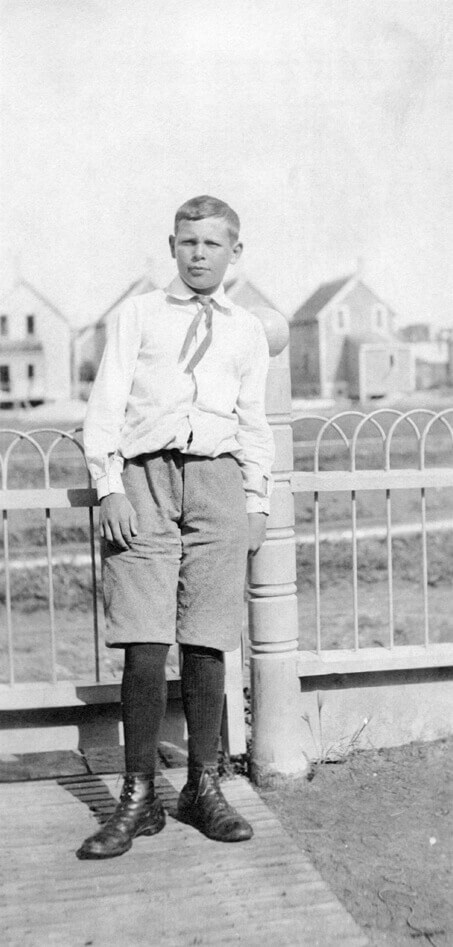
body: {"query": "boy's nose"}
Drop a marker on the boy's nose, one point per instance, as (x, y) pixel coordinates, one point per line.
(198, 252)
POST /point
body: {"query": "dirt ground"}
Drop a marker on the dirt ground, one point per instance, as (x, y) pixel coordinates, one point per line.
(379, 828)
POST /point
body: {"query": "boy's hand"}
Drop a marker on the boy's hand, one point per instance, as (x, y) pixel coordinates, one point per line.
(257, 531)
(118, 520)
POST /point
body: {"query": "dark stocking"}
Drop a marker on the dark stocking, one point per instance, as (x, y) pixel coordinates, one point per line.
(143, 698)
(202, 687)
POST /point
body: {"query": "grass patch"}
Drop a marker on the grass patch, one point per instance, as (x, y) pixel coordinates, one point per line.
(336, 561)
(30, 588)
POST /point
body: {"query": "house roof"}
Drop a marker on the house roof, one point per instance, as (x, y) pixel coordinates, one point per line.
(243, 292)
(137, 288)
(23, 283)
(318, 300)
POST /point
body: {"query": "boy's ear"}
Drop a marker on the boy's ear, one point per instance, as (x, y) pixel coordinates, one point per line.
(171, 241)
(236, 253)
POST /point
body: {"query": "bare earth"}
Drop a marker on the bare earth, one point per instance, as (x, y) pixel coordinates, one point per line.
(379, 828)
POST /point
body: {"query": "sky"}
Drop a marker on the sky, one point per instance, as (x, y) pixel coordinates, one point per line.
(326, 124)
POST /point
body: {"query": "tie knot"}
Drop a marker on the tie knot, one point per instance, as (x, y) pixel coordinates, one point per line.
(204, 301)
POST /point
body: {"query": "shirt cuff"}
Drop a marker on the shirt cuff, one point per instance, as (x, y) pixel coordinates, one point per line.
(109, 483)
(256, 504)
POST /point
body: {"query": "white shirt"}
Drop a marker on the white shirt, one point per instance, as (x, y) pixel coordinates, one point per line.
(143, 400)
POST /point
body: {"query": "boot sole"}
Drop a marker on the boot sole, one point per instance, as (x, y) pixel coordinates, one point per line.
(214, 838)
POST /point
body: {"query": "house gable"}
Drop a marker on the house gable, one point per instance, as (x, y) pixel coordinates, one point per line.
(244, 293)
(357, 309)
(35, 347)
(317, 302)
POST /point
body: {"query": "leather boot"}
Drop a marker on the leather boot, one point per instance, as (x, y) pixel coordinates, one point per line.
(139, 812)
(203, 805)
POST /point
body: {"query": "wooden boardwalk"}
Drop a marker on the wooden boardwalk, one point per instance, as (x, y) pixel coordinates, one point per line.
(177, 889)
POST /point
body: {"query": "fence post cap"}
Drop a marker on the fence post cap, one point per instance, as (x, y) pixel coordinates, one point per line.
(275, 326)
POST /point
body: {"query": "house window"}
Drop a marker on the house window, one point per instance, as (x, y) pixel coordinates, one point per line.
(3, 326)
(30, 325)
(380, 318)
(5, 378)
(30, 372)
(342, 319)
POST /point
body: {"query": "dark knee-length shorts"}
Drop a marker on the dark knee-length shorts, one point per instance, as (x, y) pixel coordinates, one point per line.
(183, 577)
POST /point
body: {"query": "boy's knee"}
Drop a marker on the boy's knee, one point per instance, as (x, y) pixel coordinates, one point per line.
(200, 651)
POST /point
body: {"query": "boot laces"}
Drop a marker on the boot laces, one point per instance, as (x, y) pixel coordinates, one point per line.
(211, 790)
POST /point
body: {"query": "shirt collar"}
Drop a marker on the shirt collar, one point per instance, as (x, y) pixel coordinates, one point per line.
(178, 289)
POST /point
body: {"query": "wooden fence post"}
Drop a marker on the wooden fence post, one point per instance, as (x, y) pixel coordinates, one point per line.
(273, 624)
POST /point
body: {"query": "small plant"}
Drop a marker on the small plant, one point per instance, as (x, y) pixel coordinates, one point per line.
(334, 752)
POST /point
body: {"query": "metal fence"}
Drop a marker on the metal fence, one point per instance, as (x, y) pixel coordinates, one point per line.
(350, 437)
(43, 444)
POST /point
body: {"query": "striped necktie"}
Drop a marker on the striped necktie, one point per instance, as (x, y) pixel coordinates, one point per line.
(205, 309)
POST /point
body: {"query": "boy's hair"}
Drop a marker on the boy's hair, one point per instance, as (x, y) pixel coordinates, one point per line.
(200, 207)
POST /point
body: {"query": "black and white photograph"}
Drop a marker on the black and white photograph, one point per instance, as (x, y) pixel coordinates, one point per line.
(226, 465)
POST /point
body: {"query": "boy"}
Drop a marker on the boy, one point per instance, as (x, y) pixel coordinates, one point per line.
(178, 444)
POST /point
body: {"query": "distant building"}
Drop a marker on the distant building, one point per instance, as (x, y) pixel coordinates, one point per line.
(431, 364)
(431, 353)
(90, 341)
(417, 332)
(35, 348)
(244, 293)
(343, 343)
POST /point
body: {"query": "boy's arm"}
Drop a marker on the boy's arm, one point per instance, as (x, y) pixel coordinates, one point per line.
(104, 420)
(255, 437)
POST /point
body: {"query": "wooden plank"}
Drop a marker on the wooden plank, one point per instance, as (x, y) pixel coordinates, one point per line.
(44, 694)
(402, 658)
(48, 498)
(333, 481)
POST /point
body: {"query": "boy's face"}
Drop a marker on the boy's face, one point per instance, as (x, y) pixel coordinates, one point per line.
(203, 249)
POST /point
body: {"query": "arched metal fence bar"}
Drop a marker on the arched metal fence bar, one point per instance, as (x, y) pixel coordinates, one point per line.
(409, 417)
(440, 417)
(45, 498)
(370, 419)
(328, 423)
(18, 436)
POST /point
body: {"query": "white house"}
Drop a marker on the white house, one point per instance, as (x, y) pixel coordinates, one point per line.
(35, 348)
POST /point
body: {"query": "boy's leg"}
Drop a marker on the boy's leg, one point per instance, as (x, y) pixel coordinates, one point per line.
(202, 690)
(201, 803)
(210, 615)
(140, 588)
(143, 702)
(143, 698)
